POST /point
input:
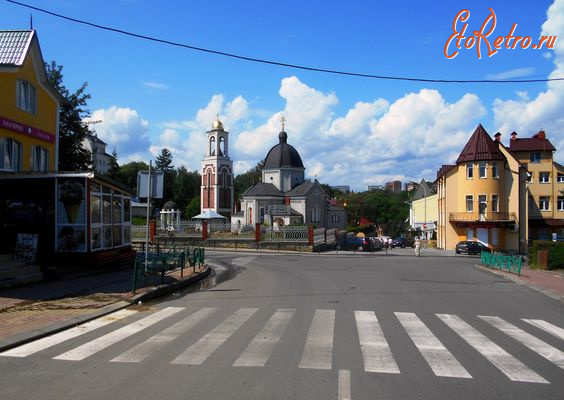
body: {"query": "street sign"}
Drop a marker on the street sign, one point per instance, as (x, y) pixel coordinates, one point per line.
(157, 181)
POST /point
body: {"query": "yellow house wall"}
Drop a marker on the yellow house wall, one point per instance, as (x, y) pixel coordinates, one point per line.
(426, 209)
(45, 118)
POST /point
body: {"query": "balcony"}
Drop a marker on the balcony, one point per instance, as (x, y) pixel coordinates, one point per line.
(486, 217)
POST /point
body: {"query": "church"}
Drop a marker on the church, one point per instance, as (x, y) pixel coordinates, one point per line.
(284, 196)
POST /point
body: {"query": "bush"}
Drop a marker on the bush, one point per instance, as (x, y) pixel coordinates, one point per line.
(555, 253)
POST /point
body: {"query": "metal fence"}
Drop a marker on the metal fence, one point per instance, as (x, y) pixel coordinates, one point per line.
(228, 230)
(138, 232)
(502, 261)
(284, 234)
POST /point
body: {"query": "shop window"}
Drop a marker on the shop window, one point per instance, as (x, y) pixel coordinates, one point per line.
(10, 155)
(26, 98)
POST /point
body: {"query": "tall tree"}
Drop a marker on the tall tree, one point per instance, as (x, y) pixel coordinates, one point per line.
(164, 163)
(128, 174)
(113, 170)
(244, 181)
(72, 129)
(193, 208)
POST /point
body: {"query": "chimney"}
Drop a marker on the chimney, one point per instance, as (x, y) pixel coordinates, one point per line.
(514, 136)
(541, 135)
(498, 137)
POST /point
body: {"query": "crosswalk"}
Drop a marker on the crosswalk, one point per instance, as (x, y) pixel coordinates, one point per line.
(317, 342)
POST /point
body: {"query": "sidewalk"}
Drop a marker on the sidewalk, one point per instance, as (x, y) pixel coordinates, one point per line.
(550, 283)
(30, 312)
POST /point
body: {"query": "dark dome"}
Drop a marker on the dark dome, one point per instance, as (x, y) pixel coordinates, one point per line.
(283, 155)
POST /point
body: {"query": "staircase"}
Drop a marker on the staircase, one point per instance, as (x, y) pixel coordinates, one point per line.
(17, 273)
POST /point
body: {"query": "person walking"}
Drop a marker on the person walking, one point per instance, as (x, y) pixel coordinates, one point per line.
(390, 243)
(417, 247)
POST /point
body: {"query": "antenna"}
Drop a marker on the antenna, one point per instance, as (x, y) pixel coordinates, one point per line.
(31, 21)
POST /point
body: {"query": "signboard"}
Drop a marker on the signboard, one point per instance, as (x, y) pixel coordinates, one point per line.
(26, 130)
(157, 181)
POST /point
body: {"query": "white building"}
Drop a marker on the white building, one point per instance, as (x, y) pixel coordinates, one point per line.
(96, 146)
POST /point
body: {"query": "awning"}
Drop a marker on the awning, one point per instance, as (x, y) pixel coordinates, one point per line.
(209, 214)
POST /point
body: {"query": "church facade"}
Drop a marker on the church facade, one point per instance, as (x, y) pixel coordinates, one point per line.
(285, 197)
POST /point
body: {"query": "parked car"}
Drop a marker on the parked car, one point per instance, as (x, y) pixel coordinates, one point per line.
(358, 243)
(403, 242)
(471, 247)
(376, 243)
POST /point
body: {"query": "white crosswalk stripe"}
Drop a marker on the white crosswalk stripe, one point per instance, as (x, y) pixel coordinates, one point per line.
(375, 349)
(441, 361)
(57, 338)
(151, 345)
(90, 348)
(203, 348)
(547, 351)
(259, 350)
(547, 327)
(506, 363)
(318, 350)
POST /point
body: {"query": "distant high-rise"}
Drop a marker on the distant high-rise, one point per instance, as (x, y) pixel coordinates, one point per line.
(394, 186)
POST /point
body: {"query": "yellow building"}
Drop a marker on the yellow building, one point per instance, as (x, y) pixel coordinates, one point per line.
(29, 106)
(545, 187)
(423, 213)
(483, 197)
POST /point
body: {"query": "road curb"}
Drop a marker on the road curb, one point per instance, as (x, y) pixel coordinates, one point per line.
(20, 339)
(518, 281)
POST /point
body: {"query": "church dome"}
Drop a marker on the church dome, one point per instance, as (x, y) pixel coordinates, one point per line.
(217, 125)
(283, 155)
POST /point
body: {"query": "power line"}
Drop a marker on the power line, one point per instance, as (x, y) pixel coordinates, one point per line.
(280, 64)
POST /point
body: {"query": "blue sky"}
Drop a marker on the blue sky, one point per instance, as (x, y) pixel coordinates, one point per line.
(348, 130)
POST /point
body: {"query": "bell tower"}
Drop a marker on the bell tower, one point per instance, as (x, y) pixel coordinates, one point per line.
(216, 192)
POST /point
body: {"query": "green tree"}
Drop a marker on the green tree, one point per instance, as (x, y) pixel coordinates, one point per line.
(128, 174)
(193, 208)
(113, 170)
(72, 129)
(244, 181)
(164, 163)
(186, 187)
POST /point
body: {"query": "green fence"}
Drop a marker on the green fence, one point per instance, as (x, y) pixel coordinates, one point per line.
(160, 263)
(502, 261)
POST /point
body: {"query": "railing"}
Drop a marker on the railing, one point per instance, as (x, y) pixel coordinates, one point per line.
(502, 261)
(183, 228)
(285, 234)
(488, 217)
(138, 232)
(227, 230)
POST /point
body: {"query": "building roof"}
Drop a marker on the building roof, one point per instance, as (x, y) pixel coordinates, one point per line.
(263, 189)
(94, 138)
(302, 189)
(14, 46)
(444, 169)
(538, 142)
(283, 155)
(424, 189)
(480, 147)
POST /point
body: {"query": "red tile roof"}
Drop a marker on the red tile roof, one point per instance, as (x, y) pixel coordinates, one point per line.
(444, 169)
(537, 143)
(480, 147)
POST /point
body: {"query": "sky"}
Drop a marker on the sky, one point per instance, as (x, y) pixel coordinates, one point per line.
(348, 130)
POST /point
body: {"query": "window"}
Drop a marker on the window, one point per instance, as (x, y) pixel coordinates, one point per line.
(212, 146)
(535, 157)
(483, 170)
(10, 155)
(544, 203)
(469, 203)
(495, 202)
(469, 171)
(25, 93)
(315, 213)
(560, 204)
(544, 177)
(495, 173)
(482, 203)
(560, 178)
(39, 159)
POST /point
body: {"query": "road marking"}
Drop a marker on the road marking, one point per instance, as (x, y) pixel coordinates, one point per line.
(344, 384)
(261, 347)
(52, 340)
(318, 350)
(544, 349)
(375, 349)
(94, 346)
(203, 348)
(441, 361)
(546, 326)
(151, 345)
(506, 363)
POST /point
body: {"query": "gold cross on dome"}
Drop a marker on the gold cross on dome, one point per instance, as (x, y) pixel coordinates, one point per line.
(283, 122)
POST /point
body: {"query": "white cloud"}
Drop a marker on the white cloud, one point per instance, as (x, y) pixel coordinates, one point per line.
(512, 74)
(155, 85)
(122, 128)
(546, 111)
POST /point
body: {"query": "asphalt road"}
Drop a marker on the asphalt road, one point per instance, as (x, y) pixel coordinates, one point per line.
(312, 327)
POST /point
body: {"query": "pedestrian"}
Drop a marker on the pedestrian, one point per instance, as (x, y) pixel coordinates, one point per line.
(417, 247)
(390, 243)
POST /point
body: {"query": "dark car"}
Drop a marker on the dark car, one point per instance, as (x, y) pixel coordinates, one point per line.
(377, 244)
(403, 242)
(358, 243)
(471, 247)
